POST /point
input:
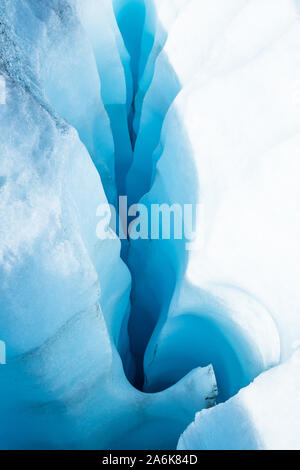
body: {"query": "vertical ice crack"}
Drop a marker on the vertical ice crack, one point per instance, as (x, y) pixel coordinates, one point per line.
(199, 336)
(137, 24)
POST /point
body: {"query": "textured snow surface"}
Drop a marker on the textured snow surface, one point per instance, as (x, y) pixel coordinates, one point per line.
(262, 416)
(167, 101)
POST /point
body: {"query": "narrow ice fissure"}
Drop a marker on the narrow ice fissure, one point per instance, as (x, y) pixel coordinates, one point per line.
(133, 19)
(152, 290)
(196, 339)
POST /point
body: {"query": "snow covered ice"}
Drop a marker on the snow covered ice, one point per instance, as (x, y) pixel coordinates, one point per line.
(250, 420)
(148, 345)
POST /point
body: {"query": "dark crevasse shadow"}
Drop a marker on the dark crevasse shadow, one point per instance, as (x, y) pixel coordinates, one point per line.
(193, 340)
(162, 91)
(136, 22)
(138, 25)
(148, 72)
(145, 310)
(135, 19)
(166, 343)
(151, 294)
(130, 17)
(157, 265)
(167, 339)
(122, 144)
(196, 341)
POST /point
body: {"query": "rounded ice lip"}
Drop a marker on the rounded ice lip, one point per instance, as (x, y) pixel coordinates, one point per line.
(220, 324)
(162, 414)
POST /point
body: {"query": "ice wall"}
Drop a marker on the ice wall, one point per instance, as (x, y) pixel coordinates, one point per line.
(64, 300)
(224, 145)
(188, 102)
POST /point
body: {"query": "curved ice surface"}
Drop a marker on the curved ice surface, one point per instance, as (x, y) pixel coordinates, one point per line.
(224, 145)
(165, 14)
(113, 64)
(207, 99)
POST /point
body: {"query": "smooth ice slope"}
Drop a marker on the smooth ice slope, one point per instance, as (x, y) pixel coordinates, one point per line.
(263, 416)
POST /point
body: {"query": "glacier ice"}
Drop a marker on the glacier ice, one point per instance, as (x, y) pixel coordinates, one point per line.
(166, 101)
(233, 114)
(113, 64)
(260, 417)
(65, 293)
(166, 11)
(229, 127)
